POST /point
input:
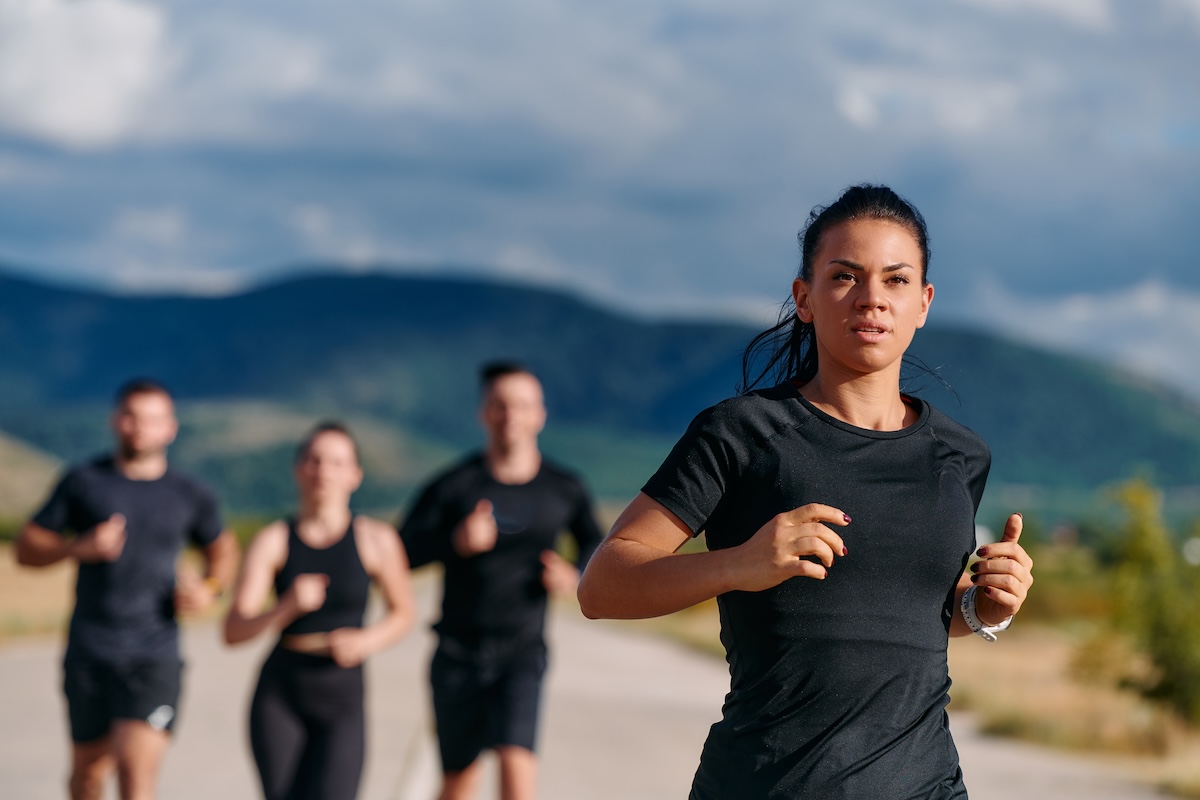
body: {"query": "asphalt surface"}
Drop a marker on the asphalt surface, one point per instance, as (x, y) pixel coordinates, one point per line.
(624, 717)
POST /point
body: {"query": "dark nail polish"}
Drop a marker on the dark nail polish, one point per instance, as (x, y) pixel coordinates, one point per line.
(982, 552)
(987, 590)
(974, 578)
(845, 550)
(846, 517)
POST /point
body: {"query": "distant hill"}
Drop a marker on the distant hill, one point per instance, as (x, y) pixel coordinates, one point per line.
(25, 476)
(397, 356)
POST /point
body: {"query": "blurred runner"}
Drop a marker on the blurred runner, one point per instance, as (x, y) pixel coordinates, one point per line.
(306, 719)
(125, 518)
(493, 521)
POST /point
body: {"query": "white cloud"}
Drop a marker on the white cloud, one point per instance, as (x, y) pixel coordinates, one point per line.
(1188, 7)
(1095, 15)
(955, 105)
(1150, 328)
(77, 73)
(153, 226)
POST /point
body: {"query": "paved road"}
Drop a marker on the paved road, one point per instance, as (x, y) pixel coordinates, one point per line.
(626, 715)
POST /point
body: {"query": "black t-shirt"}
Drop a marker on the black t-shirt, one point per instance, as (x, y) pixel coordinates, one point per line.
(838, 687)
(124, 609)
(497, 597)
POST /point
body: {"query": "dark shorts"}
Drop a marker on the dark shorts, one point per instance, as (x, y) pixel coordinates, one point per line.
(483, 699)
(99, 694)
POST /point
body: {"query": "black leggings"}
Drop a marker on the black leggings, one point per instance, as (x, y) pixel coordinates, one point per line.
(307, 727)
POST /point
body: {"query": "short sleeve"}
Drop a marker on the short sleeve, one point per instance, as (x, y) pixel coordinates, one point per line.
(55, 515)
(425, 530)
(979, 464)
(583, 525)
(208, 523)
(699, 470)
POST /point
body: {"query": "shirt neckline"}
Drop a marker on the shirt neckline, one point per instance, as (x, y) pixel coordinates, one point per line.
(917, 403)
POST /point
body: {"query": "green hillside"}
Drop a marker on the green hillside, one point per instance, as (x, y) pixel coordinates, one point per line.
(396, 357)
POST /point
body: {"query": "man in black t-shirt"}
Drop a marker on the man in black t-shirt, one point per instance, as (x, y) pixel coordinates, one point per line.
(125, 518)
(493, 521)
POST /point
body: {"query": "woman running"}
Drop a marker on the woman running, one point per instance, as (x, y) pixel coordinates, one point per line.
(839, 515)
(306, 718)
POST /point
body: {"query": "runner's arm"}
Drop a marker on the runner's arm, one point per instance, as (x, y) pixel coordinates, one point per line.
(40, 547)
(384, 560)
(638, 572)
(247, 616)
(424, 532)
(221, 562)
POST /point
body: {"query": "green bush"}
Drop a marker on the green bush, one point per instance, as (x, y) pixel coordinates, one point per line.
(9, 529)
(1156, 604)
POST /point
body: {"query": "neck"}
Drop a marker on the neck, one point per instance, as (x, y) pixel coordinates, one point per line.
(141, 466)
(517, 463)
(333, 517)
(872, 402)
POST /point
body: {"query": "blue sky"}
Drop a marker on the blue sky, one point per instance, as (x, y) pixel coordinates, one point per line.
(658, 157)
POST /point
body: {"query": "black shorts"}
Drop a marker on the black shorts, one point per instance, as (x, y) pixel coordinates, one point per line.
(99, 693)
(485, 699)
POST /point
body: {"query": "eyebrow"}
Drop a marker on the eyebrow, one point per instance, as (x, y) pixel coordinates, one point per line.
(852, 265)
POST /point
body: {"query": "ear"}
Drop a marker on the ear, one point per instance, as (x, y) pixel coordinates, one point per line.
(926, 299)
(800, 296)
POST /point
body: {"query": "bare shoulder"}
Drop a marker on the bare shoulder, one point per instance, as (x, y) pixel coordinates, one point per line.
(270, 545)
(376, 540)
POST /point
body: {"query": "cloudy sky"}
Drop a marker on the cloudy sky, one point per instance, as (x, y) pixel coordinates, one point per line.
(656, 156)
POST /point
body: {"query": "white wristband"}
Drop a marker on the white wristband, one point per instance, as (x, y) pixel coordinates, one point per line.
(967, 607)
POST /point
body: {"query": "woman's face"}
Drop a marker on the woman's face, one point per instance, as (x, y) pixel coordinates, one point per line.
(865, 298)
(329, 470)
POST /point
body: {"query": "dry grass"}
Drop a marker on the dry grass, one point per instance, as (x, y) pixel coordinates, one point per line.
(1025, 687)
(33, 601)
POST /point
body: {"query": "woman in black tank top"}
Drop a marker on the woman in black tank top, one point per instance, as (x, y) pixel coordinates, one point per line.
(306, 718)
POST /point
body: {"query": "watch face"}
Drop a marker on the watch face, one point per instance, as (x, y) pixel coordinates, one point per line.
(513, 514)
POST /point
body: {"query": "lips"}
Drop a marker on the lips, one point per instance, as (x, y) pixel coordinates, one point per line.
(869, 327)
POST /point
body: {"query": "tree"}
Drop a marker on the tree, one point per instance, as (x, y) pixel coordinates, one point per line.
(1156, 606)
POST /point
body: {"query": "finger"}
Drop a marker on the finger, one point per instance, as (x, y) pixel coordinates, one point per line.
(811, 546)
(815, 512)
(997, 584)
(484, 507)
(1008, 603)
(805, 568)
(1012, 528)
(118, 520)
(806, 539)
(1006, 550)
(1016, 582)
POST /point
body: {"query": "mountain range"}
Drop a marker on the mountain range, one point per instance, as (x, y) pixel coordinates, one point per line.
(397, 355)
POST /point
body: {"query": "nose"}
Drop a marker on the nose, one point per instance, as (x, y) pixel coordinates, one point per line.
(871, 295)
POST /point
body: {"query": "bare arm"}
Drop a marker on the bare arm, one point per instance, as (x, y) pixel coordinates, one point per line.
(195, 596)
(41, 547)
(247, 617)
(385, 561)
(637, 572)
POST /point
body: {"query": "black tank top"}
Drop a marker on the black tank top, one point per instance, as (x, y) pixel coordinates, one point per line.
(349, 584)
